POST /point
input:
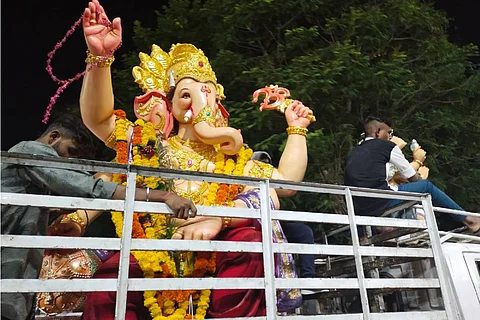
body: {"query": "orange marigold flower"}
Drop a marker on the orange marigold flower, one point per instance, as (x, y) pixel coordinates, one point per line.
(137, 135)
(119, 113)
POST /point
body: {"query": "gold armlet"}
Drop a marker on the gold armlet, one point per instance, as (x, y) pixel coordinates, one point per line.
(75, 218)
(261, 170)
(111, 141)
(206, 114)
(297, 130)
(99, 61)
(226, 222)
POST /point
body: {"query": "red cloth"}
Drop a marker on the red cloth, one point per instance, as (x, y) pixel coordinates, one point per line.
(101, 305)
(224, 303)
(239, 302)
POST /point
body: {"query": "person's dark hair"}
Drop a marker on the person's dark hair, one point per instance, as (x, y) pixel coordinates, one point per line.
(171, 93)
(72, 127)
(367, 124)
(262, 156)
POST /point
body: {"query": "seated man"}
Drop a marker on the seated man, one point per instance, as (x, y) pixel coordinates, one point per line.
(367, 167)
(66, 137)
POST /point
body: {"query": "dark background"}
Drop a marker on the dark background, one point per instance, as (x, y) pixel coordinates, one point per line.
(29, 30)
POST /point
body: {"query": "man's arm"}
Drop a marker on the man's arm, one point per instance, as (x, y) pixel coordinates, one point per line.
(400, 162)
(182, 208)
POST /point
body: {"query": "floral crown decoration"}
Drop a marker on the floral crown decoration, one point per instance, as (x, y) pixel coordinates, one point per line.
(161, 70)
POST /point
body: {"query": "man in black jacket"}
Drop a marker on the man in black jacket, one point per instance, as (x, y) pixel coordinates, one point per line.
(367, 167)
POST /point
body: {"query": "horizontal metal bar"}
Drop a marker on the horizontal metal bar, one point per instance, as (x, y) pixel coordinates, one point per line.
(338, 230)
(34, 200)
(395, 252)
(351, 316)
(459, 212)
(413, 315)
(196, 245)
(56, 242)
(61, 162)
(404, 283)
(136, 284)
(340, 250)
(398, 195)
(307, 186)
(316, 283)
(100, 166)
(448, 235)
(309, 216)
(390, 222)
(399, 207)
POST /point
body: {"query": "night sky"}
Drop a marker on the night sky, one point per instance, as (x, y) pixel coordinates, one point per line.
(31, 29)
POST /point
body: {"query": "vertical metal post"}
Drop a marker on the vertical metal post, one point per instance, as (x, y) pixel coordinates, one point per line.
(357, 256)
(125, 245)
(268, 260)
(440, 262)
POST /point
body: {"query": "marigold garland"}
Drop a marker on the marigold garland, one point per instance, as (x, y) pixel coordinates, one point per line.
(163, 304)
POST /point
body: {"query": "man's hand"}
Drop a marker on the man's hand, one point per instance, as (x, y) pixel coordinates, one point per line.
(399, 142)
(419, 155)
(423, 171)
(182, 208)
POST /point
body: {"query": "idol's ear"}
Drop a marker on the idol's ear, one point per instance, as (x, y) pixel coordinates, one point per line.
(153, 106)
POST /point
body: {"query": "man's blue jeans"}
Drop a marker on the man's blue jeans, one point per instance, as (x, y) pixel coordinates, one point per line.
(439, 198)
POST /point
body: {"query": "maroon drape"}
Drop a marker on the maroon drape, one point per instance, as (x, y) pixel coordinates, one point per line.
(101, 305)
(239, 302)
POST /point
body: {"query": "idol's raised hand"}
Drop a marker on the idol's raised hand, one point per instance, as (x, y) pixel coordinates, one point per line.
(297, 114)
(101, 36)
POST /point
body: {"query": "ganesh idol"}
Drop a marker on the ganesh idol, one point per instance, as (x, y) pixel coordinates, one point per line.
(181, 122)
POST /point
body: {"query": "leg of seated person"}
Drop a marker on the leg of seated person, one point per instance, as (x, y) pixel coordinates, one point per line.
(297, 232)
(439, 199)
(101, 305)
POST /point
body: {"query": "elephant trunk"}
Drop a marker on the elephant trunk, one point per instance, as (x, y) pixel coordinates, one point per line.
(230, 139)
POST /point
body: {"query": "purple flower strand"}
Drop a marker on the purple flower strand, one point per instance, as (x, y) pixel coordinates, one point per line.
(65, 83)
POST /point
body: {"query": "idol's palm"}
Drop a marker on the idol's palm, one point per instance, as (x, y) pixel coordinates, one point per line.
(101, 36)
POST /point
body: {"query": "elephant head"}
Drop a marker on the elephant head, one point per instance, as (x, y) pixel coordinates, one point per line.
(196, 104)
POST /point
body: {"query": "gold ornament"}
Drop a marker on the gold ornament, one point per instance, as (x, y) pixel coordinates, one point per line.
(261, 170)
(99, 61)
(190, 159)
(75, 218)
(297, 130)
(207, 115)
(183, 61)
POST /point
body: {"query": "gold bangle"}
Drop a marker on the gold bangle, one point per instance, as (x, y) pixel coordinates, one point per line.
(75, 218)
(99, 61)
(419, 162)
(297, 130)
(206, 114)
(226, 222)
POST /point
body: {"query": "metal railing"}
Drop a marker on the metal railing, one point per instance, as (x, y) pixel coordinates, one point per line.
(269, 283)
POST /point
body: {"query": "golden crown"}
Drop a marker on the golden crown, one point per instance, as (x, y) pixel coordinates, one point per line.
(161, 70)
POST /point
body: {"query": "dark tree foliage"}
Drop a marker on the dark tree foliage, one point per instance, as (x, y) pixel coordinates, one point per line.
(344, 59)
